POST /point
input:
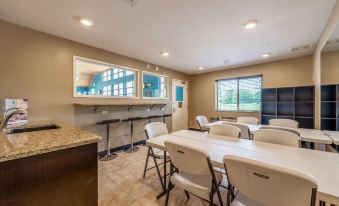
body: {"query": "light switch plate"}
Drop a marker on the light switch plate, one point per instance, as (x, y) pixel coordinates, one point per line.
(104, 112)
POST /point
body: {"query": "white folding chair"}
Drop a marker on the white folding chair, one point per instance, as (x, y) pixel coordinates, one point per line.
(276, 137)
(195, 171)
(202, 121)
(284, 123)
(152, 130)
(287, 129)
(248, 120)
(225, 130)
(259, 183)
(245, 130)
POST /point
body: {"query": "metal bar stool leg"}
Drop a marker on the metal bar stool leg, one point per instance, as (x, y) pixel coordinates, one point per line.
(109, 156)
(132, 149)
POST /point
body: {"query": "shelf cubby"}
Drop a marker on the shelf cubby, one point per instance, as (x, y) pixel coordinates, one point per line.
(289, 103)
(304, 109)
(285, 117)
(285, 109)
(305, 122)
(266, 118)
(269, 95)
(328, 124)
(328, 93)
(328, 109)
(269, 108)
(304, 94)
(285, 94)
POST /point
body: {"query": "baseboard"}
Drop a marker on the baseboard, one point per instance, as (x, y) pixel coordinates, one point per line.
(123, 147)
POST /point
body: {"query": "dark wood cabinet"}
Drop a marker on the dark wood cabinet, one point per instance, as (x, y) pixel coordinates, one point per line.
(66, 177)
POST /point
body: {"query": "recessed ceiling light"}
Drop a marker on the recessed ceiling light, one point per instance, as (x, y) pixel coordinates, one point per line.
(164, 53)
(250, 24)
(201, 68)
(266, 55)
(226, 62)
(86, 22)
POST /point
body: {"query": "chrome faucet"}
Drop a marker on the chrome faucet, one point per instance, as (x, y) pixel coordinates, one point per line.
(8, 117)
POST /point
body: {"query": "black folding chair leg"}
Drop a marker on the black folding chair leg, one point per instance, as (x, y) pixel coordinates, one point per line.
(187, 195)
(219, 196)
(158, 171)
(211, 196)
(148, 153)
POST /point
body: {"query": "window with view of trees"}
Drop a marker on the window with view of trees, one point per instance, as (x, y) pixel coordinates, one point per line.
(239, 94)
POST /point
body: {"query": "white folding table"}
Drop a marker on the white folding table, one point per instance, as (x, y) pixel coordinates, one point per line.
(315, 136)
(321, 165)
(307, 135)
(334, 135)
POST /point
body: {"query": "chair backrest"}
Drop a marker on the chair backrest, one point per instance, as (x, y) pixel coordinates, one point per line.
(245, 130)
(188, 158)
(155, 129)
(284, 123)
(225, 130)
(276, 137)
(248, 120)
(287, 129)
(268, 184)
(202, 120)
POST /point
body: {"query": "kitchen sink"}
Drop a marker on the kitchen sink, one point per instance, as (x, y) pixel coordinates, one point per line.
(34, 129)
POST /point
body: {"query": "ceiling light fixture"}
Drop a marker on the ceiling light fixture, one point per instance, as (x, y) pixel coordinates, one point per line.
(164, 53)
(87, 22)
(226, 62)
(201, 68)
(266, 55)
(250, 24)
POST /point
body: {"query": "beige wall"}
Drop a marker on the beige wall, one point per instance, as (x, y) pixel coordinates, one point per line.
(39, 67)
(286, 73)
(330, 68)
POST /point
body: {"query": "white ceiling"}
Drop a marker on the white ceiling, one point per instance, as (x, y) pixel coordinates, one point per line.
(333, 42)
(195, 32)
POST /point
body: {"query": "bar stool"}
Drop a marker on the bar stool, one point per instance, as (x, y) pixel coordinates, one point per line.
(164, 117)
(130, 120)
(109, 155)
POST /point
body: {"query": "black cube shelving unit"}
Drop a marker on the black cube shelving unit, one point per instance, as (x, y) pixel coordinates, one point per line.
(330, 107)
(295, 103)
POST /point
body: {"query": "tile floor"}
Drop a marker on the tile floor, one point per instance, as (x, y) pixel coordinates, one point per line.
(121, 184)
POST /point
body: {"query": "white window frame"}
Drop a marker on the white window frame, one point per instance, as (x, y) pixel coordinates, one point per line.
(107, 90)
(136, 79)
(158, 75)
(107, 75)
(235, 78)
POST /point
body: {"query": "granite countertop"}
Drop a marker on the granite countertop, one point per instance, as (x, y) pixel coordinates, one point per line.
(15, 146)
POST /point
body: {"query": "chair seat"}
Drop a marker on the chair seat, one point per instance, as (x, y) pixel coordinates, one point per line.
(242, 200)
(199, 185)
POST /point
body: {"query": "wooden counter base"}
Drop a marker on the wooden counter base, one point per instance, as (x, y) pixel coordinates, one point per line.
(65, 177)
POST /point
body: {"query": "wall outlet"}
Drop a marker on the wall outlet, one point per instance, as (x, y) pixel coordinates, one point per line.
(104, 112)
(148, 109)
